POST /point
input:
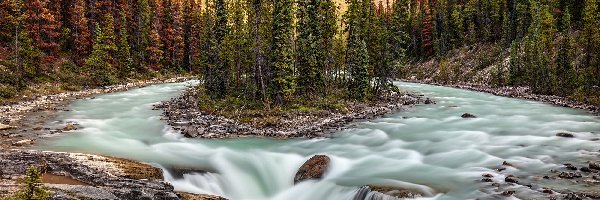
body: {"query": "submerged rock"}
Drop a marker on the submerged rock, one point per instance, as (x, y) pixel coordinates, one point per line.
(565, 135)
(594, 165)
(314, 168)
(468, 115)
(569, 175)
(369, 192)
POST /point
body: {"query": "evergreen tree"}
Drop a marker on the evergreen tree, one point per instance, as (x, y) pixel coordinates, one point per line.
(261, 17)
(82, 38)
(283, 83)
(43, 27)
(514, 68)
(309, 57)
(216, 69)
(33, 187)
(590, 38)
(99, 62)
(124, 51)
(357, 58)
(145, 27)
(564, 71)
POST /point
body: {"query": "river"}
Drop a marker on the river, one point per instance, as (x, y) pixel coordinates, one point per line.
(428, 148)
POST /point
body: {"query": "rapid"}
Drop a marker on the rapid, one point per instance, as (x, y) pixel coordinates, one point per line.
(427, 148)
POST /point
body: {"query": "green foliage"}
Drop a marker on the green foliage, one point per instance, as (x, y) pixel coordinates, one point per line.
(99, 63)
(32, 187)
(124, 58)
(283, 81)
(565, 73)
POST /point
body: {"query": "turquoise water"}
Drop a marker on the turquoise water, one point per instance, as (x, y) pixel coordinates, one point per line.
(428, 148)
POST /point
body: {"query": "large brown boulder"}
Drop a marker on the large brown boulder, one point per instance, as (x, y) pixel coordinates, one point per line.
(314, 168)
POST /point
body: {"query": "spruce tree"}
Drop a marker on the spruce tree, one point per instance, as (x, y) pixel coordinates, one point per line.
(309, 57)
(357, 60)
(590, 38)
(564, 69)
(283, 83)
(99, 62)
(124, 51)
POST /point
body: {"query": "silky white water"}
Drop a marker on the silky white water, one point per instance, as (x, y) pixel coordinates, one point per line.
(428, 148)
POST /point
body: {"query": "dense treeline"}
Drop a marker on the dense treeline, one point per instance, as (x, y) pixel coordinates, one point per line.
(552, 46)
(274, 51)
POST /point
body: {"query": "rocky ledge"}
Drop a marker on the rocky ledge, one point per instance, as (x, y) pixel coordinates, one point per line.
(518, 92)
(83, 176)
(183, 114)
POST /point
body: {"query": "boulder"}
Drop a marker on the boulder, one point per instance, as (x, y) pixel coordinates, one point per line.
(370, 192)
(314, 168)
(468, 115)
(69, 127)
(565, 135)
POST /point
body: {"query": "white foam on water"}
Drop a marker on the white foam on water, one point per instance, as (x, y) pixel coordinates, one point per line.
(428, 148)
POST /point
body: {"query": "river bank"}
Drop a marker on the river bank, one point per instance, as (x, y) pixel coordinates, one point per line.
(515, 92)
(184, 114)
(84, 176)
(23, 122)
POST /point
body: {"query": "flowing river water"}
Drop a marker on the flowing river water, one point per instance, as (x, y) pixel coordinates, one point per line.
(428, 148)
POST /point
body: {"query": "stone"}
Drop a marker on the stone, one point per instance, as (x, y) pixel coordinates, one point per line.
(594, 165)
(565, 135)
(314, 168)
(384, 192)
(5, 127)
(511, 179)
(23, 143)
(569, 175)
(468, 115)
(69, 127)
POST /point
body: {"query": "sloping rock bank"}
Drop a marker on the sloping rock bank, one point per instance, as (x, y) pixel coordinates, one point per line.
(518, 92)
(183, 114)
(83, 176)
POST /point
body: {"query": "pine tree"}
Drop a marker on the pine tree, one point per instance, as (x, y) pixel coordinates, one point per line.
(309, 53)
(124, 51)
(565, 72)
(145, 27)
(216, 69)
(33, 187)
(80, 32)
(43, 27)
(283, 83)
(427, 31)
(99, 62)
(357, 58)
(590, 38)
(514, 69)
(261, 17)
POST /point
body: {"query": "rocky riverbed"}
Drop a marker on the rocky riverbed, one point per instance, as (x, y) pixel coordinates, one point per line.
(517, 92)
(183, 114)
(22, 123)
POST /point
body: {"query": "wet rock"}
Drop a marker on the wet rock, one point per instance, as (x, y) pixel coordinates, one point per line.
(314, 168)
(585, 169)
(547, 191)
(488, 175)
(594, 165)
(487, 180)
(508, 193)
(570, 167)
(569, 175)
(429, 101)
(468, 115)
(369, 192)
(565, 135)
(23, 143)
(511, 179)
(190, 196)
(505, 163)
(69, 127)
